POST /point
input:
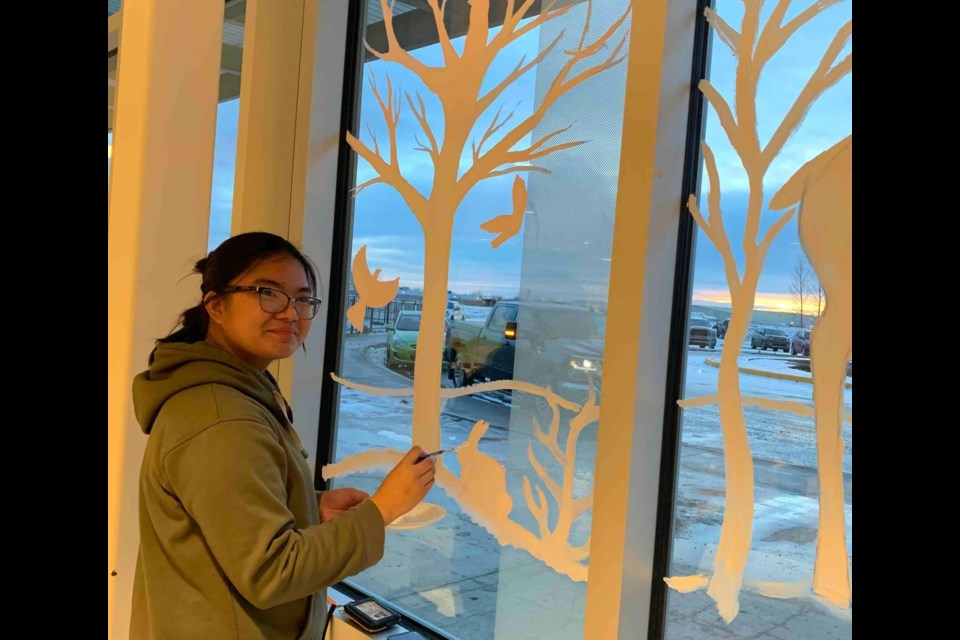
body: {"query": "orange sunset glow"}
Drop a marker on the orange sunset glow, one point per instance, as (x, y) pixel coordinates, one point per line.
(783, 302)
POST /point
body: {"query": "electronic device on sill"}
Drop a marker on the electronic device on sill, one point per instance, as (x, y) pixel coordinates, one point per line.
(370, 615)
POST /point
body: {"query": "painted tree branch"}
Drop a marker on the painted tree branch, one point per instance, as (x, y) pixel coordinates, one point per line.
(714, 227)
(822, 79)
(727, 120)
(449, 53)
(389, 172)
(568, 507)
(421, 118)
(790, 406)
(489, 97)
(525, 155)
(774, 229)
(492, 128)
(715, 235)
(430, 76)
(588, 415)
(369, 183)
(745, 96)
(539, 143)
(390, 175)
(586, 26)
(508, 31)
(373, 136)
(549, 440)
(729, 35)
(537, 508)
(547, 479)
(496, 385)
(391, 116)
(523, 168)
(774, 35)
(560, 85)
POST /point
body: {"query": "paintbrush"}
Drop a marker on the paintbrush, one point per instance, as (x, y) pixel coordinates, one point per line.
(424, 456)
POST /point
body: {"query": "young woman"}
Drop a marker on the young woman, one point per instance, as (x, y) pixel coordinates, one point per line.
(234, 541)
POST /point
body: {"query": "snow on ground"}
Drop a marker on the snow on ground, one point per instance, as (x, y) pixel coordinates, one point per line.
(475, 314)
(453, 571)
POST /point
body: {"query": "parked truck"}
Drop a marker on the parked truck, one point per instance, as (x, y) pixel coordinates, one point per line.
(562, 345)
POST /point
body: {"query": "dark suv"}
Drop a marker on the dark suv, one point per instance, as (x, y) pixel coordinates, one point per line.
(775, 339)
(800, 343)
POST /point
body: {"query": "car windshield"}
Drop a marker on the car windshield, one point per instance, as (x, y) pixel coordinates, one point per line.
(569, 324)
(775, 332)
(408, 323)
(450, 306)
(696, 322)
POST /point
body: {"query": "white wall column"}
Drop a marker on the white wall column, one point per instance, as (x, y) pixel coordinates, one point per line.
(161, 172)
(287, 147)
(316, 155)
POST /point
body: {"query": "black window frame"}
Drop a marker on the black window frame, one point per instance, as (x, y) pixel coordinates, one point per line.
(677, 350)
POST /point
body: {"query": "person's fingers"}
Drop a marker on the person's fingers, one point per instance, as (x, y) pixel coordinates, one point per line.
(412, 455)
(424, 467)
(358, 495)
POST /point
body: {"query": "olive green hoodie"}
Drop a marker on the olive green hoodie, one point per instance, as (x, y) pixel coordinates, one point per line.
(231, 544)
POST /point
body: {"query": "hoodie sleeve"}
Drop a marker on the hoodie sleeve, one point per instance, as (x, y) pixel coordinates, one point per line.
(230, 479)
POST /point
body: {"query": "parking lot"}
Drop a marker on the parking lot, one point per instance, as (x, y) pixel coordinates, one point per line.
(463, 574)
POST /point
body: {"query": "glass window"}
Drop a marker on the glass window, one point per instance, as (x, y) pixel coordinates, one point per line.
(111, 101)
(225, 145)
(762, 532)
(408, 321)
(500, 547)
(500, 316)
(228, 112)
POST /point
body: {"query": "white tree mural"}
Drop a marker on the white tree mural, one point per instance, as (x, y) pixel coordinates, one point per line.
(820, 191)
(457, 83)
(823, 188)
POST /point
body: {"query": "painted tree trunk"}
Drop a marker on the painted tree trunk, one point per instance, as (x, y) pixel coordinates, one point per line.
(737, 528)
(429, 363)
(831, 575)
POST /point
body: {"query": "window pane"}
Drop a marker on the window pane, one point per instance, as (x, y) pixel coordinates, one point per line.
(111, 101)
(111, 87)
(228, 111)
(500, 548)
(755, 499)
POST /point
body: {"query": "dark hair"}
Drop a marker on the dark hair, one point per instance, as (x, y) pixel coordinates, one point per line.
(232, 258)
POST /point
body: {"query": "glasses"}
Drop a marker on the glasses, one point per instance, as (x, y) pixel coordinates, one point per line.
(276, 301)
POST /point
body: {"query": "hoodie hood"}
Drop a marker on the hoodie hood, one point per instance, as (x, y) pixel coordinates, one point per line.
(178, 366)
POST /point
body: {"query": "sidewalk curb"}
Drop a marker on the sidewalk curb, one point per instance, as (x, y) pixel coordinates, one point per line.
(772, 374)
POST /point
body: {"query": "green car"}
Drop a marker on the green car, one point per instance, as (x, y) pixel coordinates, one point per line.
(402, 339)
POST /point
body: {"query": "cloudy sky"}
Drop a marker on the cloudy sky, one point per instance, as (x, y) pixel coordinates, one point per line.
(395, 241)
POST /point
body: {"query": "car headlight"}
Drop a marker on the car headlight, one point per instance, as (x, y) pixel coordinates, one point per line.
(583, 364)
(397, 342)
